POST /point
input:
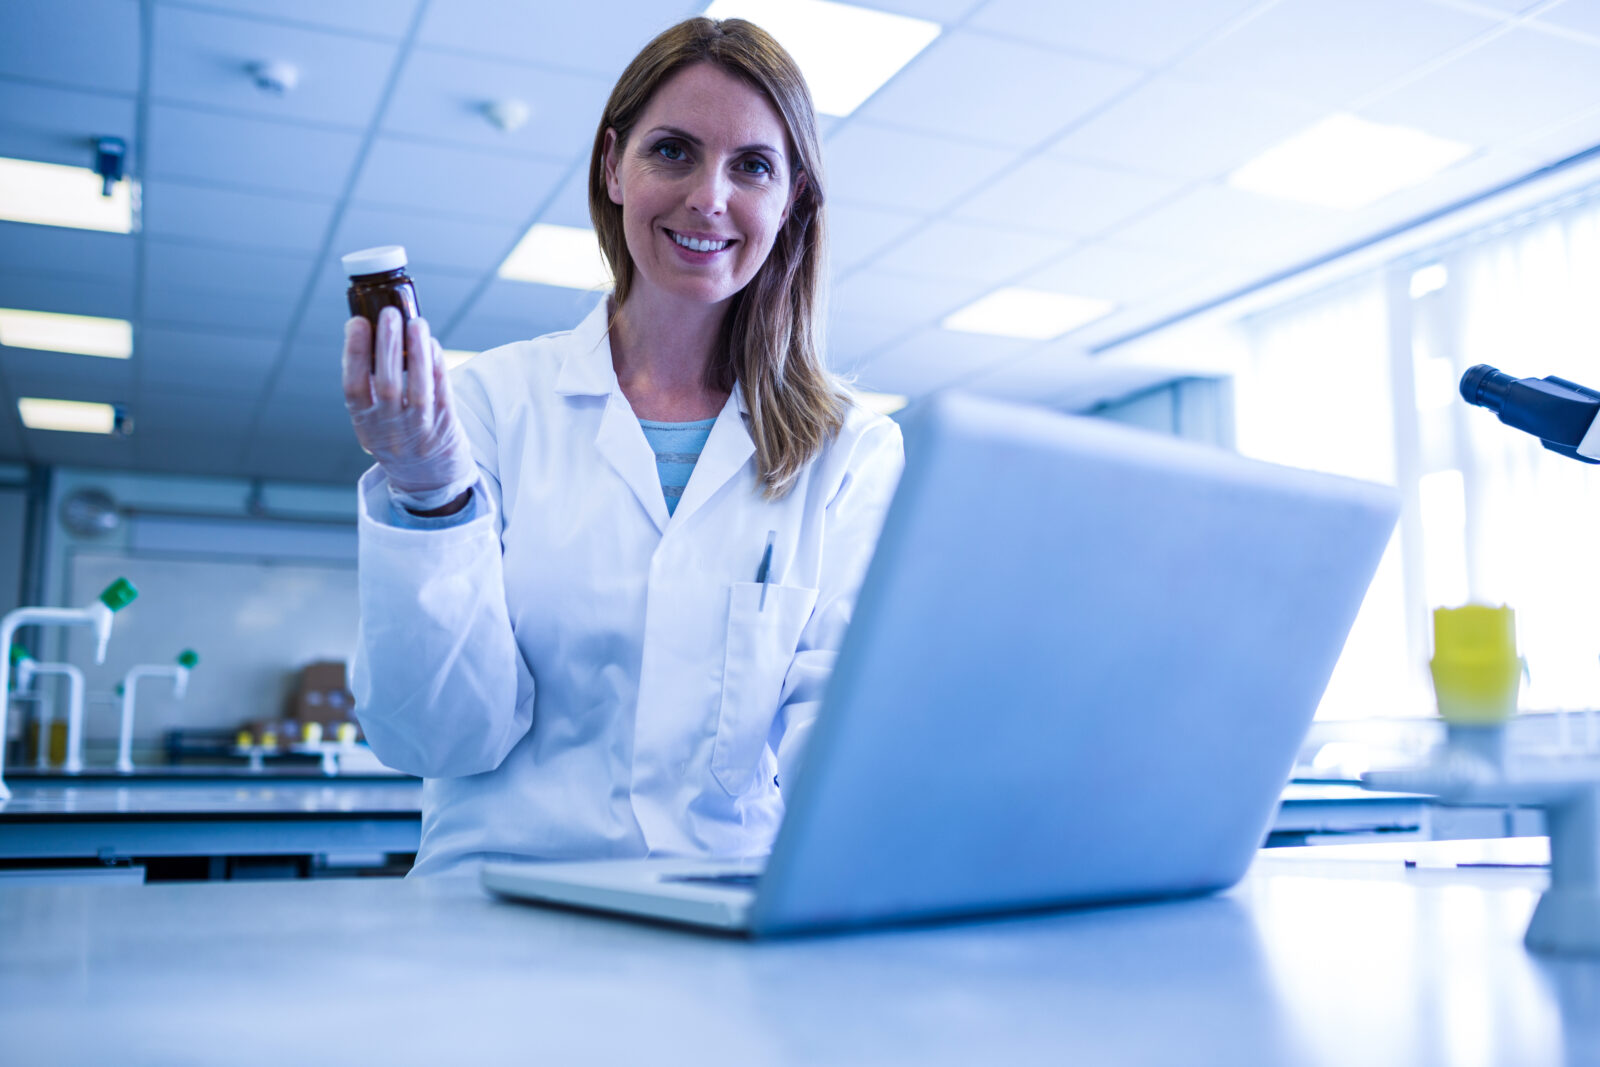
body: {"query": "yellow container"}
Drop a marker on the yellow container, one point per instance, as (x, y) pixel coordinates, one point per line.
(1476, 671)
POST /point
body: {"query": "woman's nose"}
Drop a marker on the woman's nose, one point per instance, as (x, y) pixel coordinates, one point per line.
(709, 194)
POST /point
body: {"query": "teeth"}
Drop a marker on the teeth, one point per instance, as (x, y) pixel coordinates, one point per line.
(697, 245)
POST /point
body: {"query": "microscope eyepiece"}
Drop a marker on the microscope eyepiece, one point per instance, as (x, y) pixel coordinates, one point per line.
(1486, 387)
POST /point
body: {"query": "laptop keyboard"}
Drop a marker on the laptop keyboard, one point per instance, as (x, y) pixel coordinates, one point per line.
(738, 878)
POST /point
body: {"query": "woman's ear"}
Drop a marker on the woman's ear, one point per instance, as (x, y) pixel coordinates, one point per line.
(795, 191)
(613, 183)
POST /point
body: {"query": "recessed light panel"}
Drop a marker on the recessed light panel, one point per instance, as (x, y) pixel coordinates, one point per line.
(1032, 314)
(83, 335)
(74, 416)
(568, 256)
(845, 52)
(49, 194)
(1347, 162)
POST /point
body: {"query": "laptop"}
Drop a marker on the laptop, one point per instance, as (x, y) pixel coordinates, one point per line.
(1082, 660)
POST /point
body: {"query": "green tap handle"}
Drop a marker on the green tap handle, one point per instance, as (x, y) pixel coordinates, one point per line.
(18, 654)
(119, 594)
(188, 658)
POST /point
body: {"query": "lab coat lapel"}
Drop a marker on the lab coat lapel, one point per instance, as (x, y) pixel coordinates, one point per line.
(588, 371)
(727, 451)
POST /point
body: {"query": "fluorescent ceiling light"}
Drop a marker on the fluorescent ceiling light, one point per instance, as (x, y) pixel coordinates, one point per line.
(80, 334)
(74, 416)
(882, 403)
(454, 357)
(845, 52)
(1033, 314)
(568, 256)
(49, 194)
(1346, 162)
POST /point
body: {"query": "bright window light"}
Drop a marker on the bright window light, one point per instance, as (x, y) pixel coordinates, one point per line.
(454, 357)
(882, 403)
(49, 194)
(568, 256)
(74, 416)
(1429, 279)
(845, 52)
(80, 334)
(1347, 162)
(1033, 314)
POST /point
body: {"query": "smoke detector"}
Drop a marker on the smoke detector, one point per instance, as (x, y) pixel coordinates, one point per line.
(506, 115)
(275, 77)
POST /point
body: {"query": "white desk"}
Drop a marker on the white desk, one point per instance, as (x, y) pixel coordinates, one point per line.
(1311, 961)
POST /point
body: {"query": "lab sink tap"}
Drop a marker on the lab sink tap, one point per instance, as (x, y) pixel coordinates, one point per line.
(28, 671)
(178, 672)
(99, 613)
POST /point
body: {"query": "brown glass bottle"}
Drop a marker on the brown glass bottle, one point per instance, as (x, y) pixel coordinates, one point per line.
(378, 279)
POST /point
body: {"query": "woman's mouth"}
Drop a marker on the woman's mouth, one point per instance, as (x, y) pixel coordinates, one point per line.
(700, 247)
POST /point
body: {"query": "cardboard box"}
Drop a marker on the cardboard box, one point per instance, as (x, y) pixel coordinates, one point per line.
(321, 694)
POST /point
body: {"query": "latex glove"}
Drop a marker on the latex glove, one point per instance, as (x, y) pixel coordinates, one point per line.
(403, 416)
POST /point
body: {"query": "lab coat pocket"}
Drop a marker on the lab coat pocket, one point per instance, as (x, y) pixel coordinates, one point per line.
(761, 645)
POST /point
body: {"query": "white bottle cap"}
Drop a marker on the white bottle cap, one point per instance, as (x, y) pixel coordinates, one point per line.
(375, 260)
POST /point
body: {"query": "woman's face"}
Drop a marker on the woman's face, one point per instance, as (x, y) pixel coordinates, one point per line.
(704, 184)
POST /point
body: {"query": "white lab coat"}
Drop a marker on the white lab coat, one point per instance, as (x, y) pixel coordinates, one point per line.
(576, 674)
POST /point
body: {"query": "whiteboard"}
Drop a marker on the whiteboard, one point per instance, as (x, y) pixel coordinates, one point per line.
(254, 622)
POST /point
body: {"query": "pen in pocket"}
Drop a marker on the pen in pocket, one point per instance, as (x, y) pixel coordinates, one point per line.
(764, 572)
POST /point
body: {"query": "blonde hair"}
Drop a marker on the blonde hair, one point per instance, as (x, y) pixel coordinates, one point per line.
(770, 337)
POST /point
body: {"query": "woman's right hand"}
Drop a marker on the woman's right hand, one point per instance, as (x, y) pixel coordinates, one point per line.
(403, 417)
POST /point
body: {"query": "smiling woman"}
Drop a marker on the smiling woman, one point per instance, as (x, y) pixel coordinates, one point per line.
(605, 573)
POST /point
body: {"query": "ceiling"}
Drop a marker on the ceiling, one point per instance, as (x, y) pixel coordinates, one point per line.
(1077, 147)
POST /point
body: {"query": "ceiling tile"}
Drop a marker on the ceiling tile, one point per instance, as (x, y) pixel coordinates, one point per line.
(571, 204)
(561, 35)
(66, 376)
(479, 333)
(875, 165)
(981, 254)
(1147, 32)
(547, 307)
(430, 242)
(273, 276)
(909, 300)
(334, 459)
(1186, 129)
(62, 250)
(1333, 51)
(167, 409)
(312, 370)
(1064, 198)
(203, 58)
(182, 305)
(320, 413)
(204, 213)
(178, 451)
(852, 339)
(60, 125)
(1116, 272)
(104, 36)
(440, 95)
(1217, 224)
(80, 449)
(952, 90)
(1580, 15)
(934, 359)
(69, 294)
(857, 233)
(1547, 144)
(1519, 81)
(940, 11)
(216, 361)
(249, 154)
(371, 18)
(466, 182)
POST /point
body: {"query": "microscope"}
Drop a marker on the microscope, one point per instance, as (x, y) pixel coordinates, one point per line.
(1474, 766)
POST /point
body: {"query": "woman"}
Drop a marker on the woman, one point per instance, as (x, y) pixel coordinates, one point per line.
(586, 651)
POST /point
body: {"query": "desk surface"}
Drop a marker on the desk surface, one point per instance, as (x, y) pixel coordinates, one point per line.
(1311, 960)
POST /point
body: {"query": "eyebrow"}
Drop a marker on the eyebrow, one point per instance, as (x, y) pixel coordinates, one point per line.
(685, 135)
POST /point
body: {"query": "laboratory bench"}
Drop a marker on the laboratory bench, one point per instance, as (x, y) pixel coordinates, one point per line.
(194, 822)
(1326, 955)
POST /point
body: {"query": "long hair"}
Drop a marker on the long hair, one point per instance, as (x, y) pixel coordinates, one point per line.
(771, 334)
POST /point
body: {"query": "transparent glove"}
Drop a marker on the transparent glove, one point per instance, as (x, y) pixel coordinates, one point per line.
(402, 414)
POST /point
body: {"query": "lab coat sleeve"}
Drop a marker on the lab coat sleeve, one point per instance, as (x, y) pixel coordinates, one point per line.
(441, 688)
(852, 521)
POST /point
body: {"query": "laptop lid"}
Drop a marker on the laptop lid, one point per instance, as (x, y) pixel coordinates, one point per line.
(1081, 663)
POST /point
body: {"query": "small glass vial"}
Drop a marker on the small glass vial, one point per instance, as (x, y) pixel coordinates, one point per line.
(378, 279)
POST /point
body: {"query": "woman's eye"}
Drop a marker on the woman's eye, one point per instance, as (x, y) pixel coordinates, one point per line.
(757, 166)
(671, 150)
